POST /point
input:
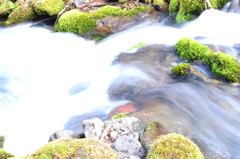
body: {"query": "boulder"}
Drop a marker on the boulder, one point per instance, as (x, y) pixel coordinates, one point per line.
(122, 155)
(75, 148)
(128, 145)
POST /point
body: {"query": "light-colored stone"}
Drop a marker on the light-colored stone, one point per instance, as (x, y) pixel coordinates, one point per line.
(64, 134)
(93, 128)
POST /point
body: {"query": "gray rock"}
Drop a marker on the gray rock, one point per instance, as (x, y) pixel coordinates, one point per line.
(122, 155)
(129, 146)
(64, 134)
(93, 128)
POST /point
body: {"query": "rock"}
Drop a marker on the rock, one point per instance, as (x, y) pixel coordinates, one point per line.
(75, 148)
(125, 108)
(161, 58)
(153, 131)
(64, 134)
(128, 145)
(122, 155)
(174, 146)
(93, 128)
(126, 126)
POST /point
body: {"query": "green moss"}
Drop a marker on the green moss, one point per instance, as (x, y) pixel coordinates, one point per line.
(75, 148)
(99, 37)
(218, 4)
(48, 7)
(75, 21)
(221, 64)
(20, 14)
(5, 6)
(120, 115)
(174, 146)
(190, 49)
(150, 126)
(182, 69)
(4, 154)
(140, 44)
(137, 10)
(173, 6)
(1, 141)
(112, 11)
(155, 2)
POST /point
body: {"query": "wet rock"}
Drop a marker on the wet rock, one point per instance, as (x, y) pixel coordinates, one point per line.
(93, 128)
(128, 145)
(125, 108)
(153, 131)
(234, 6)
(154, 63)
(64, 134)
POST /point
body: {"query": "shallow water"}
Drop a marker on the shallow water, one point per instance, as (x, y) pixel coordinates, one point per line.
(38, 69)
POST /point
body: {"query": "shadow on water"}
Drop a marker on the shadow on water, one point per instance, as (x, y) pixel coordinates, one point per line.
(207, 114)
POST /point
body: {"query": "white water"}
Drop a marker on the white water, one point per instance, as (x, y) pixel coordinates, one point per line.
(39, 67)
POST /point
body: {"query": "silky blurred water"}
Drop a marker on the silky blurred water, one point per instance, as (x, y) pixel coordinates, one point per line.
(47, 77)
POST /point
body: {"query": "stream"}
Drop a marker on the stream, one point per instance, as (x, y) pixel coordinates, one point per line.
(48, 77)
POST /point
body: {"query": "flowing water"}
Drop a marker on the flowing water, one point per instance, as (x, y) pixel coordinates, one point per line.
(47, 77)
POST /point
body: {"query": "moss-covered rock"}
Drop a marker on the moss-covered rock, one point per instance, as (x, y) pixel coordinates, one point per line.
(187, 10)
(48, 7)
(221, 64)
(5, 6)
(75, 148)
(20, 14)
(4, 154)
(182, 69)
(174, 146)
(75, 21)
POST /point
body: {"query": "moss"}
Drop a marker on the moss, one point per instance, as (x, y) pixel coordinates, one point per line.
(140, 44)
(137, 10)
(1, 141)
(99, 37)
(4, 154)
(75, 21)
(174, 146)
(86, 148)
(150, 126)
(5, 6)
(217, 4)
(182, 69)
(112, 11)
(48, 7)
(120, 115)
(221, 64)
(173, 6)
(155, 2)
(20, 14)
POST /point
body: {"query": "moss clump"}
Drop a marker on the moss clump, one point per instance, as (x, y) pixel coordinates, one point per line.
(173, 6)
(112, 11)
(190, 49)
(48, 7)
(20, 14)
(182, 69)
(4, 154)
(1, 141)
(140, 44)
(152, 125)
(6, 6)
(217, 4)
(75, 21)
(120, 115)
(174, 146)
(221, 64)
(86, 148)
